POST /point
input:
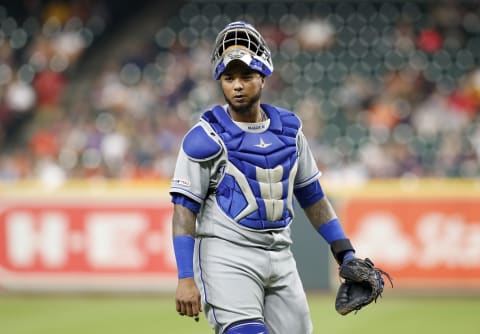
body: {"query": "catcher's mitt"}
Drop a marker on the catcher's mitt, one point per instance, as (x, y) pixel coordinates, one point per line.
(363, 284)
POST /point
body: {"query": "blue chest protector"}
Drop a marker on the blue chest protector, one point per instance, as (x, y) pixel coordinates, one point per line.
(256, 190)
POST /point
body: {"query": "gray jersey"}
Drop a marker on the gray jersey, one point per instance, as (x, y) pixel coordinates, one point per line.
(198, 179)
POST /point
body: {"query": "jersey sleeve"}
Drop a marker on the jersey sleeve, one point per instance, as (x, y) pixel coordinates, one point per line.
(191, 178)
(307, 172)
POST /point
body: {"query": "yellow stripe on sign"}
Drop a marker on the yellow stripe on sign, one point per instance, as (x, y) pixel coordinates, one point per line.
(384, 188)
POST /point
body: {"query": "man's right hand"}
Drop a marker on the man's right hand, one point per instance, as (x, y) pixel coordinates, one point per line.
(187, 298)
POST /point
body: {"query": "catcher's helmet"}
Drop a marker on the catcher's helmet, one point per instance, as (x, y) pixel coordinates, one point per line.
(240, 40)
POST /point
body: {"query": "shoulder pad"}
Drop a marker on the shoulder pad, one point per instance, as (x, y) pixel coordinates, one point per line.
(200, 145)
(283, 119)
(290, 119)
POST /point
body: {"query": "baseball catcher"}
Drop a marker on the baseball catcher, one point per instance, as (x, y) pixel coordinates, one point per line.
(237, 174)
(363, 283)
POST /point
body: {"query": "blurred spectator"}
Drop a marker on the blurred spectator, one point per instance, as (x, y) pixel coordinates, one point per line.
(20, 97)
(430, 40)
(316, 35)
(49, 86)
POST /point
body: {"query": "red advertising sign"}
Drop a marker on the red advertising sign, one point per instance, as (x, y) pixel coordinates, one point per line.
(87, 245)
(421, 242)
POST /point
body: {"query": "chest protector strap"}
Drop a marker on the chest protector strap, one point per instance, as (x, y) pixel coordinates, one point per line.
(256, 190)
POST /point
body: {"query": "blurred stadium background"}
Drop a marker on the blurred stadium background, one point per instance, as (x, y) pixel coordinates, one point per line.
(96, 95)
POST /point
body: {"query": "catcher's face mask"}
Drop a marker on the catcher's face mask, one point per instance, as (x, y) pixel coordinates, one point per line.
(241, 41)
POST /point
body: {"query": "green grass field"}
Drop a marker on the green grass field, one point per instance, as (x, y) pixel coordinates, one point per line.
(156, 315)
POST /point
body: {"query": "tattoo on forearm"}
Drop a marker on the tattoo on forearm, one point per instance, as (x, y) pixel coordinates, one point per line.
(183, 222)
(320, 212)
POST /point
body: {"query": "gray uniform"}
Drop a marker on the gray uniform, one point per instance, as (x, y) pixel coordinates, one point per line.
(244, 269)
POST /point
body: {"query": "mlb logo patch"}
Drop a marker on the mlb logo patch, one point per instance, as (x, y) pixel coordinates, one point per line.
(181, 182)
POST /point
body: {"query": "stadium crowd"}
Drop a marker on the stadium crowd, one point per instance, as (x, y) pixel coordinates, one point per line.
(384, 89)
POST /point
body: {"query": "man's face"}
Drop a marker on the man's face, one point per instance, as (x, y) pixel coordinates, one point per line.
(242, 87)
